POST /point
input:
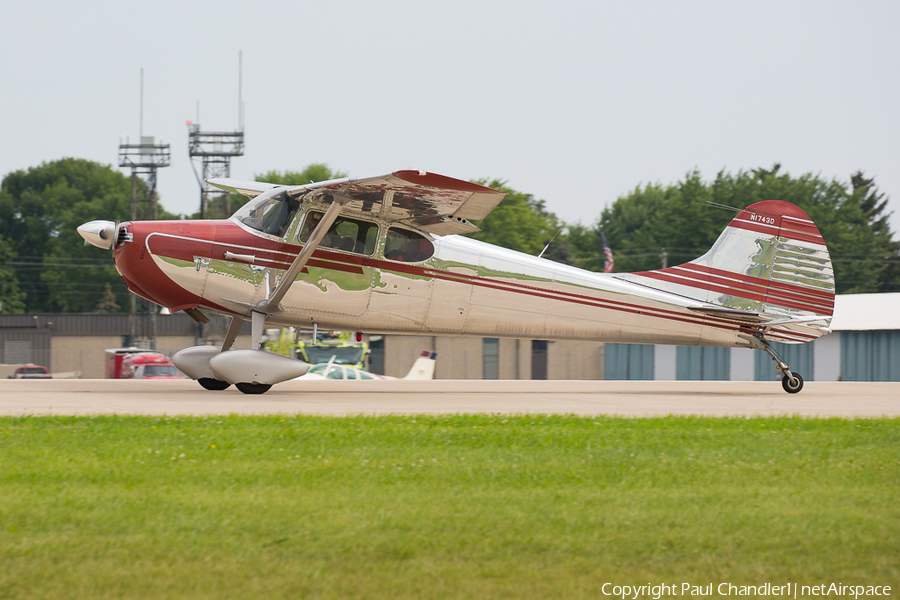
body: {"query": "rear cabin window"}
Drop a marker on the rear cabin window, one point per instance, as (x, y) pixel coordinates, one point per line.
(345, 234)
(407, 246)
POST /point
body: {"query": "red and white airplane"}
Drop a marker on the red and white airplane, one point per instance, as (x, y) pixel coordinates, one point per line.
(380, 255)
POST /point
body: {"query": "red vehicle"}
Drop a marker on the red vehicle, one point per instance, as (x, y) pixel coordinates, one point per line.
(28, 371)
(134, 363)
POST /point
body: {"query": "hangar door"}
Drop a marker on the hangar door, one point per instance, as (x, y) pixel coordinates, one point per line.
(870, 355)
(629, 361)
(703, 363)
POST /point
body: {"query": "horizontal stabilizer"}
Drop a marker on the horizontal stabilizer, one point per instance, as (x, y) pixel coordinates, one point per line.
(730, 314)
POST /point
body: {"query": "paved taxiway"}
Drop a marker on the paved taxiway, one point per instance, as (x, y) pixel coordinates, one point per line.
(630, 398)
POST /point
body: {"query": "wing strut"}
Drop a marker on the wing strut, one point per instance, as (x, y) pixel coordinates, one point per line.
(271, 304)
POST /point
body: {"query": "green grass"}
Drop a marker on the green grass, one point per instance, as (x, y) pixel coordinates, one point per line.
(440, 507)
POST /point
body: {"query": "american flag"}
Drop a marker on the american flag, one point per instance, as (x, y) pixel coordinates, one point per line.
(610, 261)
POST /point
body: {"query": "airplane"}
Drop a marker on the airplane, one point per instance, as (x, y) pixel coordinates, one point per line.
(383, 255)
(422, 369)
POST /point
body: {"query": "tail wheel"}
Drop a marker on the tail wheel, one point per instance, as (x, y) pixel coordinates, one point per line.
(213, 384)
(792, 386)
(253, 388)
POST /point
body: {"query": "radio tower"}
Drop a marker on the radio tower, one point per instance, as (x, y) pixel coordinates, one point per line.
(143, 159)
(216, 148)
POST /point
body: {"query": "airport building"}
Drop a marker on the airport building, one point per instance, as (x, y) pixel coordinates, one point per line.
(864, 346)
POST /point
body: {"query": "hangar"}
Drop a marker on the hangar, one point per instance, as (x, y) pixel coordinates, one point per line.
(864, 346)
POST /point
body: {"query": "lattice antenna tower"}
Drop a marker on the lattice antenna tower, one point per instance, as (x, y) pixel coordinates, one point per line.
(144, 159)
(216, 149)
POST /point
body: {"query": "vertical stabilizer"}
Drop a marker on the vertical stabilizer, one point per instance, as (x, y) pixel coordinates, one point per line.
(423, 368)
(770, 260)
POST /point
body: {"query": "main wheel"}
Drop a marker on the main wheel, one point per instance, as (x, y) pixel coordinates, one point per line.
(213, 384)
(792, 387)
(253, 388)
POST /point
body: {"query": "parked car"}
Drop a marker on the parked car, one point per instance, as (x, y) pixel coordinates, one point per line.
(27, 372)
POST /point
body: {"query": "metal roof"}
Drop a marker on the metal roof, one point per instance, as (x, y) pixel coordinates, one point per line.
(866, 312)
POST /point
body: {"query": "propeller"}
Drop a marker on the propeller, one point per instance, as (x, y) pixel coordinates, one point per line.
(101, 234)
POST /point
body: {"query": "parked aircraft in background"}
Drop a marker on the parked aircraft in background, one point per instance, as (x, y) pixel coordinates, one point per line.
(422, 369)
(380, 255)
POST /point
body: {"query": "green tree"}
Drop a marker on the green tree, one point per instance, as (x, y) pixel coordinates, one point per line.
(11, 297)
(687, 217)
(313, 173)
(521, 222)
(584, 246)
(879, 241)
(107, 302)
(40, 209)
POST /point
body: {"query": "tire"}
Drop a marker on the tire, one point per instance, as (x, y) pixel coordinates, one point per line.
(213, 384)
(797, 385)
(253, 388)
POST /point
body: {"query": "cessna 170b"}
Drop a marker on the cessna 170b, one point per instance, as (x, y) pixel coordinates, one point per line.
(380, 255)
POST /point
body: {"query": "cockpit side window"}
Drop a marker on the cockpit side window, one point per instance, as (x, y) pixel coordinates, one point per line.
(346, 234)
(407, 246)
(271, 212)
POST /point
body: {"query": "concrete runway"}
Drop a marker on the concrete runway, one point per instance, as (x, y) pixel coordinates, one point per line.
(628, 398)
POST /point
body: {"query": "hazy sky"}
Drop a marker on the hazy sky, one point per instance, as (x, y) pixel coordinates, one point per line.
(574, 102)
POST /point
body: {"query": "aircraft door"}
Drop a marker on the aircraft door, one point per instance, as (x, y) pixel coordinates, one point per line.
(337, 280)
(403, 286)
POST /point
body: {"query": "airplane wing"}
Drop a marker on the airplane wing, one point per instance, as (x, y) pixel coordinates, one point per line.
(251, 189)
(426, 201)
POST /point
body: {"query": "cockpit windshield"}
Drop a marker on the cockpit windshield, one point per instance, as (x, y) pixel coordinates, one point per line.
(271, 212)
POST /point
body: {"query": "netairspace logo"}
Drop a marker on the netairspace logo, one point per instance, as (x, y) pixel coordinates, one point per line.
(787, 590)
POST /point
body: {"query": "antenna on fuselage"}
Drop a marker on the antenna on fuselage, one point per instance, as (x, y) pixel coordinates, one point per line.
(550, 242)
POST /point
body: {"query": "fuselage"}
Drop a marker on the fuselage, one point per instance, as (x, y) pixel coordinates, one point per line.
(463, 287)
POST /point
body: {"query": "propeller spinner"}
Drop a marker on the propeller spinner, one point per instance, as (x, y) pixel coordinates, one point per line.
(99, 233)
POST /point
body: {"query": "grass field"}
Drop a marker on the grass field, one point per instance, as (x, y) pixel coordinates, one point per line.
(441, 507)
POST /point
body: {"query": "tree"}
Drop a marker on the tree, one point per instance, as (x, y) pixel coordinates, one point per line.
(11, 297)
(107, 302)
(40, 209)
(872, 205)
(687, 217)
(313, 173)
(521, 222)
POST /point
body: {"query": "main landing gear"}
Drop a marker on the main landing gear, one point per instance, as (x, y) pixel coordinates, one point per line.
(253, 388)
(213, 384)
(791, 382)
